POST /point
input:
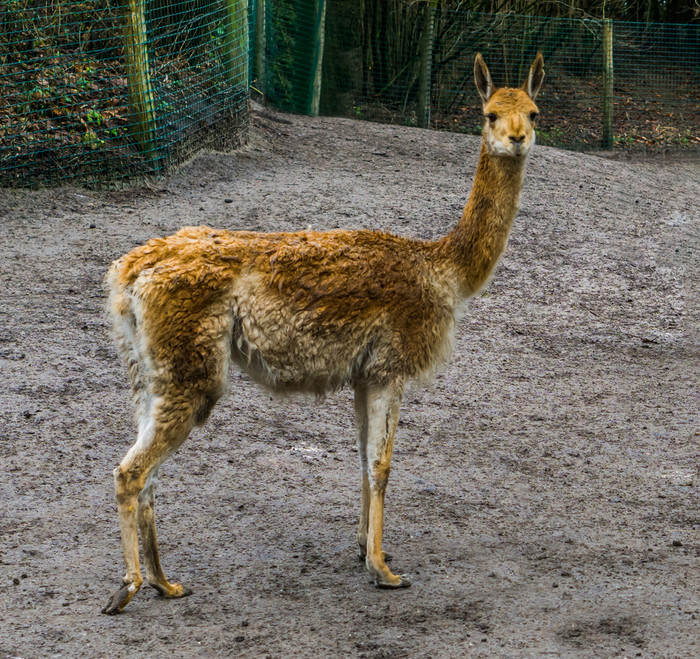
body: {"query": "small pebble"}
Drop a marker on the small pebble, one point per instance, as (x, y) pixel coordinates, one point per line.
(92, 226)
(228, 201)
(677, 543)
(15, 581)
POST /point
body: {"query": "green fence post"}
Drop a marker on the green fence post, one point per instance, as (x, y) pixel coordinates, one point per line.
(142, 122)
(607, 84)
(259, 61)
(236, 44)
(426, 64)
(317, 63)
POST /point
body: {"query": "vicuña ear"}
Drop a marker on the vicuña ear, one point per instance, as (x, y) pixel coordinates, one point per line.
(482, 78)
(535, 77)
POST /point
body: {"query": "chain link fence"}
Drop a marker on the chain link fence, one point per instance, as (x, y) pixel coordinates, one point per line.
(100, 90)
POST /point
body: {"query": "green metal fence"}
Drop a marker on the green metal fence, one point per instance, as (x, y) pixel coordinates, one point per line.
(287, 52)
(379, 63)
(98, 90)
(104, 89)
(655, 81)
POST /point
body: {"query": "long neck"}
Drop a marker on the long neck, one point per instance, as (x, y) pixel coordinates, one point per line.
(475, 244)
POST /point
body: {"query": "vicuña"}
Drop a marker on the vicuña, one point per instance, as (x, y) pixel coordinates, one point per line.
(304, 312)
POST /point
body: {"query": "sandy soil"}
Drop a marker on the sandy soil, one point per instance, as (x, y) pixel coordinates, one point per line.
(544, 494)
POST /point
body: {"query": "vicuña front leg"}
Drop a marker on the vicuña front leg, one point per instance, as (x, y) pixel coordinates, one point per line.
(161, 431)
(377, 412)
(362, 423)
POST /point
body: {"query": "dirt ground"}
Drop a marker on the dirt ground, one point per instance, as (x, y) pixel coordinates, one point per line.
(544, 492)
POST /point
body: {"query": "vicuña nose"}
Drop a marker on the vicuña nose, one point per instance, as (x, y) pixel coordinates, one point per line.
(517, 140)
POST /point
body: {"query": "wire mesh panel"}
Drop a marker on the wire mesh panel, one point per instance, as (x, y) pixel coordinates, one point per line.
(375, 71)
(293, 47)
(656, 69)
(657, 83)
(199, 75)
(104, 89)
(571, 99)
(656, 76)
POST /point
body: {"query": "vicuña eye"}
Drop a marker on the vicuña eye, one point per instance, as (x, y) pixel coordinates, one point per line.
(534, 115)
(491, 116)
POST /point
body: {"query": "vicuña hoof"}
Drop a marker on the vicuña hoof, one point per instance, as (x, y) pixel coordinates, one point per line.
(119, 600)
(402, 581)
(173, 591)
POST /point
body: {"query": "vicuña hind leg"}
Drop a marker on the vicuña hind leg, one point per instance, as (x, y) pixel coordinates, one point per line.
(147, 527)
(163, 428)
(377, 415)
(362, 425)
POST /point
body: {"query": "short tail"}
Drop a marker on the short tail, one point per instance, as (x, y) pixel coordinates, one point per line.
(125, 326)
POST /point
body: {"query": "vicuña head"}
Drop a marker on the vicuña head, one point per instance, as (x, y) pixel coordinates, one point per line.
(510, 113)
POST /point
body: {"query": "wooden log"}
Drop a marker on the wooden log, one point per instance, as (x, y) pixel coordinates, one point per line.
(142, 122)
(236, 43)
(607, 84)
